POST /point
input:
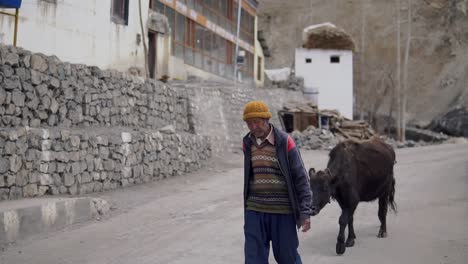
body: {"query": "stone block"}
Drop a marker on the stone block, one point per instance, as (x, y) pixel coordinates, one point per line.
(15, 163)
(4, 165)
(126, 137)
(30, 190)
(75, 141)
(42, 190)
(109, 165)
(38, 63)
(46, 179)
(11, 59)
(18, 98)
(86, 177)
(16, 193)
(68, 179)
(21, 178)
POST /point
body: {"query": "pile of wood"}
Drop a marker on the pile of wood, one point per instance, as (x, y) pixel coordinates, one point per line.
(295, 107)
(307, 114)
(359, 130)
(328, 37)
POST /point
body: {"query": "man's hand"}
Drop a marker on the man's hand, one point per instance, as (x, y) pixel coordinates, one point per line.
(305, 225)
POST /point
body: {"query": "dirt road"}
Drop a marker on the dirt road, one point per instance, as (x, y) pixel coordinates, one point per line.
(198, 219)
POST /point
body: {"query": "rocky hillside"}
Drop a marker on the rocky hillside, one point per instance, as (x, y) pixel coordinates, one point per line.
(437, 68)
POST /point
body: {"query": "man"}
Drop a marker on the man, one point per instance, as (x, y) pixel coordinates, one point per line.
(277, 195)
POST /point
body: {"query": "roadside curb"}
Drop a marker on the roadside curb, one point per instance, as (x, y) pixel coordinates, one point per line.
(25, 218)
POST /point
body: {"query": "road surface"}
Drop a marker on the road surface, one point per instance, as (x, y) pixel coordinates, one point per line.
(198, 219)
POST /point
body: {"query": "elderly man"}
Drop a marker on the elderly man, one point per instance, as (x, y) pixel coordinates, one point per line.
(277, 195)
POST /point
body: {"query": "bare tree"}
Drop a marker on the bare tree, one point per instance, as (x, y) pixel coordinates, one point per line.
(405, 73)
(398, 73)
(362, 53)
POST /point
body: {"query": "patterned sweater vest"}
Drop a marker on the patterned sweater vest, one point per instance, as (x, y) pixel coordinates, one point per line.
(268, 191)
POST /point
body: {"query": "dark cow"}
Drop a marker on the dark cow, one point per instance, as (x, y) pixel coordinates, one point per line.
(356, 171)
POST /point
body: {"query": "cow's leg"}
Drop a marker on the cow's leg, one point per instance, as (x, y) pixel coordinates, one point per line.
(351, 234)
(383, 208)
(348, 202)
(343, 222)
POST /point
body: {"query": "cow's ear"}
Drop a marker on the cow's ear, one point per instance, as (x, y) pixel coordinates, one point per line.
(312, 173)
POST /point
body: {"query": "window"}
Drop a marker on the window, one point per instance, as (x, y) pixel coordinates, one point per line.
(189, 41)
(170, 14)
(120, 12)
(190, 4)
(207, 50)
(308, 60)
(334, 59)
(199, 6)
(199, 45)
(180, 28)
(179, 36)
(157, 6)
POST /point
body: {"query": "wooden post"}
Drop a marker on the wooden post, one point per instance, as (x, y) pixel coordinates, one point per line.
(16, 16)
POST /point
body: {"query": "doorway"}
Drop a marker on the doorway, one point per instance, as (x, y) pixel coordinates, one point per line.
(152, 53)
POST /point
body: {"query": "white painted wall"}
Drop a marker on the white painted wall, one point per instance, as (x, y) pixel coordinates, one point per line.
(79, 31)
(332, 81)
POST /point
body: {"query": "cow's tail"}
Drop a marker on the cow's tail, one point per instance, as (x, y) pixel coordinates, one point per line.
(391, 196)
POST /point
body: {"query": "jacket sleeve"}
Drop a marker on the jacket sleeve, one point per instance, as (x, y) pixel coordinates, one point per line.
(300, 180)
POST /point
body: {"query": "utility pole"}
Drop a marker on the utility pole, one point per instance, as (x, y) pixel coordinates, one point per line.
(144, 41)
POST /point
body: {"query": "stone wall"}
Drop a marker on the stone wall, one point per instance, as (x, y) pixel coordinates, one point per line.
(74, 129)
(216, 109)
(38, 161)
(40, 91)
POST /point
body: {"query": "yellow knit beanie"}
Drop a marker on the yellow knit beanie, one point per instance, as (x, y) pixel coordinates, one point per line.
(256, 109)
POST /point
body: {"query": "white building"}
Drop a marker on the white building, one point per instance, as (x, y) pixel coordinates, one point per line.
(183, 37)
(325, 61)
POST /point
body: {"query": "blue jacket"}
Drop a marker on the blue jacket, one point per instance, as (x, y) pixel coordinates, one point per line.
(293, 170)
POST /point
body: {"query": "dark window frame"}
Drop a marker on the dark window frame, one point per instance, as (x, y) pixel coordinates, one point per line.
(210, 62)
(119, 11)
(335, 59)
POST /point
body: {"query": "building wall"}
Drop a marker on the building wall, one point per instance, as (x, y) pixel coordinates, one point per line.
(332, 81)
(217, 107)
(189, 43)
(83, 32)
(79, 32)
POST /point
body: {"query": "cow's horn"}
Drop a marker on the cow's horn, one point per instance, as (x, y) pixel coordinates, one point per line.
(312, 173)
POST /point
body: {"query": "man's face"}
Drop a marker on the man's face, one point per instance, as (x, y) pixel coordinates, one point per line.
(259, 127)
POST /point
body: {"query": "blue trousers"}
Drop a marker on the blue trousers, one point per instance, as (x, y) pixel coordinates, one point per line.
(261, 228)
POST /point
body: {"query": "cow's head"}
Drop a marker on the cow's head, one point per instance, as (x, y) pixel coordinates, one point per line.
(320, 183)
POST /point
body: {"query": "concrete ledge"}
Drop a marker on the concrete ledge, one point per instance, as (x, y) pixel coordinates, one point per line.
(23, 218)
